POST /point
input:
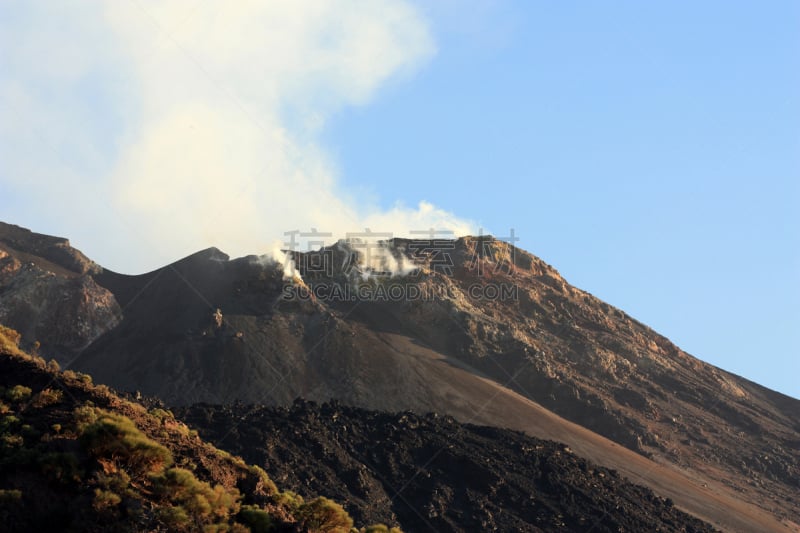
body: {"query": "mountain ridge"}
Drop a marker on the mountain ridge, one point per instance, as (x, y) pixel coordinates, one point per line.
(558, 346)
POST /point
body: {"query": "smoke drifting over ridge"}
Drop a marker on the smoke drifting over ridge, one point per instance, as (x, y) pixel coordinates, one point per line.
(149, 130)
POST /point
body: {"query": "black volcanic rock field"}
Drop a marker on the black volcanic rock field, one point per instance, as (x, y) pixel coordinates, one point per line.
(430, 473)
(548, 359)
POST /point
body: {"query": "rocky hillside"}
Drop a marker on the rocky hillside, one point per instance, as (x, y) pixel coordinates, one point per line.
(474, 328)
(47, 292)
(77, 457)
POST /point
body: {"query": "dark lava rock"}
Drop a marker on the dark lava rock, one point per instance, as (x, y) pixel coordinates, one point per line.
(430, 473)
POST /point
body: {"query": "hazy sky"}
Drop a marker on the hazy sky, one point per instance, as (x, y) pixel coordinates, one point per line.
(649, 151)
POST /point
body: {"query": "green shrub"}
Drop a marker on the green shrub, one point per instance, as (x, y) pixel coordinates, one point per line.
(10, 495)
(86, 414)
(8, 423)
(9, 339)
(60, 466)
(162, 414)
(11, 441)
(324, 515)
(223, 453)
(380, 528)
(114, 437)
(265, 484)
(18, 393)
(258, 520)
(105, 500)
(118, 481)
(30, 431)
(175, 518)
(290, 500)
(47, 397)
(202, 503)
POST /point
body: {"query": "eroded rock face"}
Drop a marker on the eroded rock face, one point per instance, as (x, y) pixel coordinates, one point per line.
(45, 248)
(52, 298)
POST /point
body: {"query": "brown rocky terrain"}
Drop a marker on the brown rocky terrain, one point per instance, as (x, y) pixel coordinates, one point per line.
(547, 359)
(47, 292)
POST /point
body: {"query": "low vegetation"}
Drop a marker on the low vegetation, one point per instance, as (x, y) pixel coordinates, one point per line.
(77, 456)
(322, 514)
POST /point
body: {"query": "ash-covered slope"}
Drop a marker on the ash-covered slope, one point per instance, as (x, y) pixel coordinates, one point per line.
(460, 347)
(430, 473)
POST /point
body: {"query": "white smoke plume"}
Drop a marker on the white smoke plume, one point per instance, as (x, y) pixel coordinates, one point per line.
(146, 130)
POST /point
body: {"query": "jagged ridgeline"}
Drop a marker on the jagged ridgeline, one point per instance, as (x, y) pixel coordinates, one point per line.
(77, 457)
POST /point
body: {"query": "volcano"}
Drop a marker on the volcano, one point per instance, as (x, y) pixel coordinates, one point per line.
(472, 328)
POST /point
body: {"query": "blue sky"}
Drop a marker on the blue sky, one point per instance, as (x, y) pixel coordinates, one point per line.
(649, 151)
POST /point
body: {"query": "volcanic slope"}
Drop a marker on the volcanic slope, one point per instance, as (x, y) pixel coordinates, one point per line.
(77, 457)
(719, 445)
